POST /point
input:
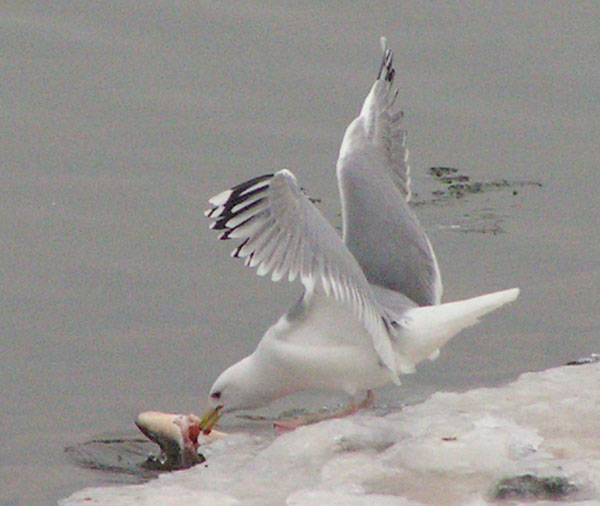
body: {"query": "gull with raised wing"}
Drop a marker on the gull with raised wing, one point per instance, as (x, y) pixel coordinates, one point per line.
(371, 308)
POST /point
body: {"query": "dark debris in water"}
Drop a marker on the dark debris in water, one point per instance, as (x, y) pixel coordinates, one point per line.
(457, 185)
(454, 185)
(592, 359)
(531, 487)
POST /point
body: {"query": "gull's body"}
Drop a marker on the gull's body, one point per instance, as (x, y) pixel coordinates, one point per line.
(371, 308)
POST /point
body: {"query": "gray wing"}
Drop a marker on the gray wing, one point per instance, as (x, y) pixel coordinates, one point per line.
(380, 229)
(284, 234)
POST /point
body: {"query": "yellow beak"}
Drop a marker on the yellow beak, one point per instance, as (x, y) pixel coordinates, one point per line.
(210, 420)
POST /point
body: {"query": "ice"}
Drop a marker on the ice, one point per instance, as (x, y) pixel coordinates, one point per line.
(540, 435)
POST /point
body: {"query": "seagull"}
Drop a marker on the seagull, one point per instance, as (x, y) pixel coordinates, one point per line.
(371, 307)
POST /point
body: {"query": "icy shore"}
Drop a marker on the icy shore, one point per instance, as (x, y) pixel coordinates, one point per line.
(534, 440)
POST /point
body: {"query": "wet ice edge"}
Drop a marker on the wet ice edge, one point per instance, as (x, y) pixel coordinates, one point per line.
(450, 449)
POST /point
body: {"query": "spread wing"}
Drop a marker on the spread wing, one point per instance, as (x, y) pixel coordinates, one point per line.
(380, 229)
(283, 234)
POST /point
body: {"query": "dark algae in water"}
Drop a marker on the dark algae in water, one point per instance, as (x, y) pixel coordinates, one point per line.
(457, 184)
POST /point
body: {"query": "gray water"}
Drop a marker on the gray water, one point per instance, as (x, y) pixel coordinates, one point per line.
(120, 119)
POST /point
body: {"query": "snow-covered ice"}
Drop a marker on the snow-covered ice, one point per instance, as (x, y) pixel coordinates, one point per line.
(452, 449)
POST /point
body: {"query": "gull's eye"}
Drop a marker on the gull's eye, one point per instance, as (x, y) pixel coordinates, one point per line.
(216, 396)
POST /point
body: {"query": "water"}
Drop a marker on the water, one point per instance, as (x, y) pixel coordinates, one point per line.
(118, 122)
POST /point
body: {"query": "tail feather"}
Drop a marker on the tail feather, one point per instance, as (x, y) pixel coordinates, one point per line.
(423, 330)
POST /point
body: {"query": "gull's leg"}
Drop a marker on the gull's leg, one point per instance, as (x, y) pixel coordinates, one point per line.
(293, 423)
(367, 402)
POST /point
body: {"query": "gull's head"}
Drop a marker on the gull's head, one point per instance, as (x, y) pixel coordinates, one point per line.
(243, 386)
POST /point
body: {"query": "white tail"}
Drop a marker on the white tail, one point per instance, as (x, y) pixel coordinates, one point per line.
(423, 330)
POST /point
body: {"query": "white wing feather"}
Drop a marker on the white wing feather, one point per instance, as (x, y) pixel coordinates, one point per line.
(380, 125)
(380, 229)
(284, 234)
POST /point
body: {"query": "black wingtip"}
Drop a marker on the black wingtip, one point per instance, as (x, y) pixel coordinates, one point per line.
(236, 251)
(251, 182)
(387, 65)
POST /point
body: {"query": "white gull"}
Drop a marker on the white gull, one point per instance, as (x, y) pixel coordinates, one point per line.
(371, 308)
